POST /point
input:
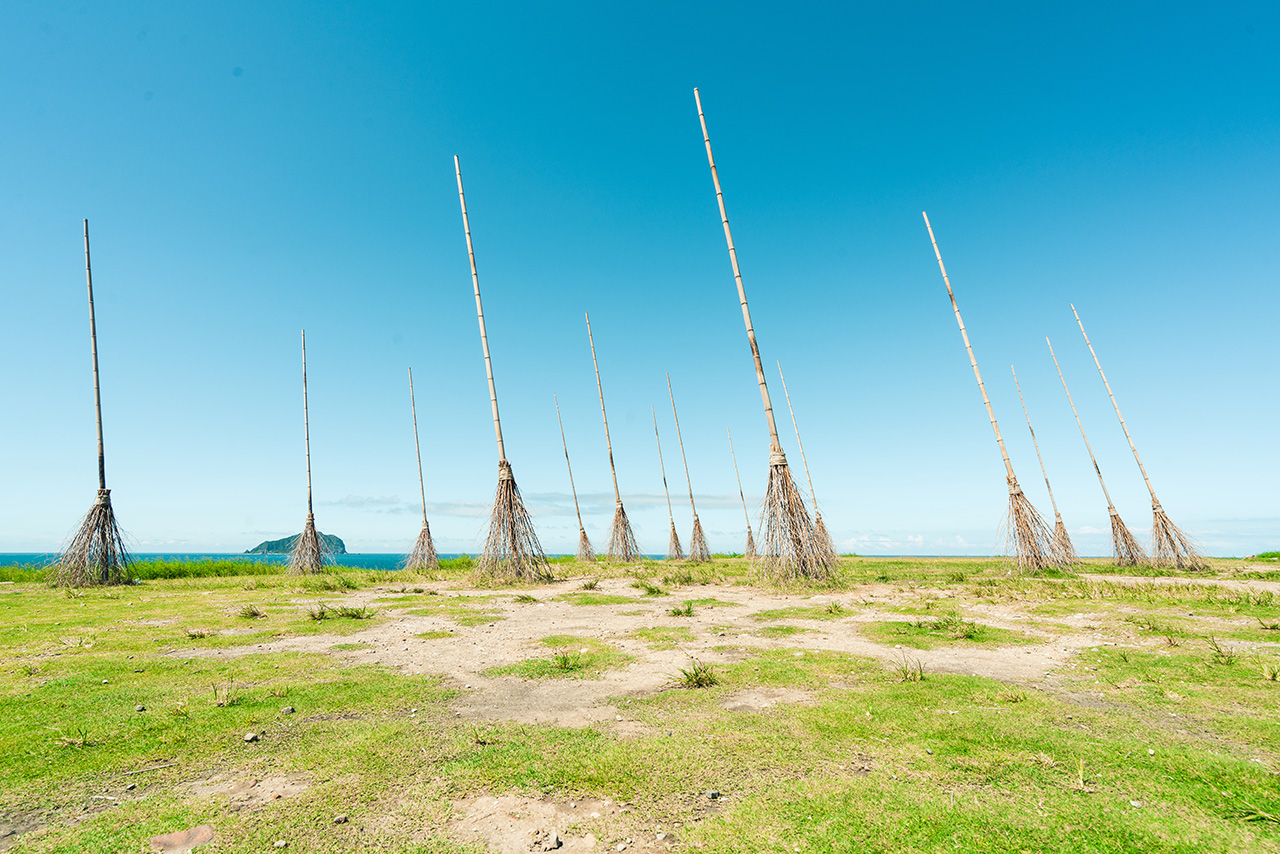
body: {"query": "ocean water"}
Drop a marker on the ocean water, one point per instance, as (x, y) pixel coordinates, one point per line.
(360, 561)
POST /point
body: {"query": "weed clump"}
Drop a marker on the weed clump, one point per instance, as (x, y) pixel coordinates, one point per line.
(698, 674)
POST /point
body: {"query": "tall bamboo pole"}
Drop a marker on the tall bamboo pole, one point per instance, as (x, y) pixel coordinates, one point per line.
(423, 554)
(1028, 533)
(306, 420)
(308, 553)
(585, 551)
(1125, 545)
(511, 549)
(820, 533)
(622, 541)
(1066, 552)
(698, 550)
(674, 550)
(1169, 545)
(750, 550)
(93, 344)
(785, 526)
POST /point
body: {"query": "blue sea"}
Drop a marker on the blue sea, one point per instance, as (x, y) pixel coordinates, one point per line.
(366, 561)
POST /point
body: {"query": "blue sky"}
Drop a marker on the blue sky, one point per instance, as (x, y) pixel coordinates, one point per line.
(251, 169)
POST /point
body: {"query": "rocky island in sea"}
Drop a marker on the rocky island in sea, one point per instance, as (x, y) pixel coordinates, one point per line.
(331, 545)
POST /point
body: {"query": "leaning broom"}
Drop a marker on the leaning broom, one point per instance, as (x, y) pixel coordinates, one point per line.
(698, 551)
(308, 555)
(423, 557)
(96, 553)
(788, 550)
(1029, 536)
(622, 540)
(1064, 551)
(674, 550)
(586, 553)
(1169, 545)
(820, 533)
(1123, 544)
(750, 550)
(511, 551)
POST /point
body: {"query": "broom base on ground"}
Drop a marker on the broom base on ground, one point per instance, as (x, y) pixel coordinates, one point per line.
(586, 554)
(622, 540)
(822, 540)
(1064, 550)
(1170, 546)
(698, 551)
(750, 549)
(675, 551)
(787, 550)
(1124, 545)
(511, 551)
(96, 553)
(423, 557)
(308, 556)
(1028, 537)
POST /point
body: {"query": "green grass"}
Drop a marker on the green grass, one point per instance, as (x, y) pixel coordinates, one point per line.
(665, 637)
(931, 632)
(590, 597)
(780, 631)
(855, 760)
(801, 612)
(573, 658)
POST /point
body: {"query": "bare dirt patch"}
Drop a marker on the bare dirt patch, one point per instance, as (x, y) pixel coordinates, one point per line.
(513, 824)
(248, 792)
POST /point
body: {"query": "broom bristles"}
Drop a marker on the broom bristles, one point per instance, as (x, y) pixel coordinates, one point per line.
(512, 551)
(1124, 544)
(96, 553)
(786, 531)
(622, 540)
(1170, 546)
(1062, 545)
(674, 550)
(308, 554)
(698, 551)
(1028, 538)
(822, 540)
(750, 550)
(423, 557)
(586, 552)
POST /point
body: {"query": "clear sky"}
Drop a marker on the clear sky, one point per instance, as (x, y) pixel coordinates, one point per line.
(251, 169)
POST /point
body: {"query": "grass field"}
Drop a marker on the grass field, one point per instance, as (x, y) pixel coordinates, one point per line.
(911, 705)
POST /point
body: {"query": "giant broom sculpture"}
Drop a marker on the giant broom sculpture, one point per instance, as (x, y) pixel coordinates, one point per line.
(1028, 535)
(1064, 551)
(820, 534)
(1123, 543)
(96, 554)
(1169, 545)
(788, 550)
(674, 550)
(423, 557)
(586, 553)
(698, 551)
(512, 550)
(750, 550)
(622, 541)
(308, 555)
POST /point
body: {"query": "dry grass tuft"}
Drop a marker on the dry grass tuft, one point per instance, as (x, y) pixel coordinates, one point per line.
(423, 557)
(622, 540)
(1170, 546)
(96, 553)
(308, 555)
(511, 551)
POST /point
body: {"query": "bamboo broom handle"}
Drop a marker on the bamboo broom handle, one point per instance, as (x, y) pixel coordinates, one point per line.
(572, 488)
(608, 443)
(1036, 444)
(800, 444)
(1123, 426)
(413, 407)
(484, 337)
(662, 467)
(745, 514)
(306, 420)
(1110, 506)
(681, 440)
(775, 447)
(93, 345)
(972, 361)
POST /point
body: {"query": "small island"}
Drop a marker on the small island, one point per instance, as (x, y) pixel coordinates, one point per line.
(328, 542)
